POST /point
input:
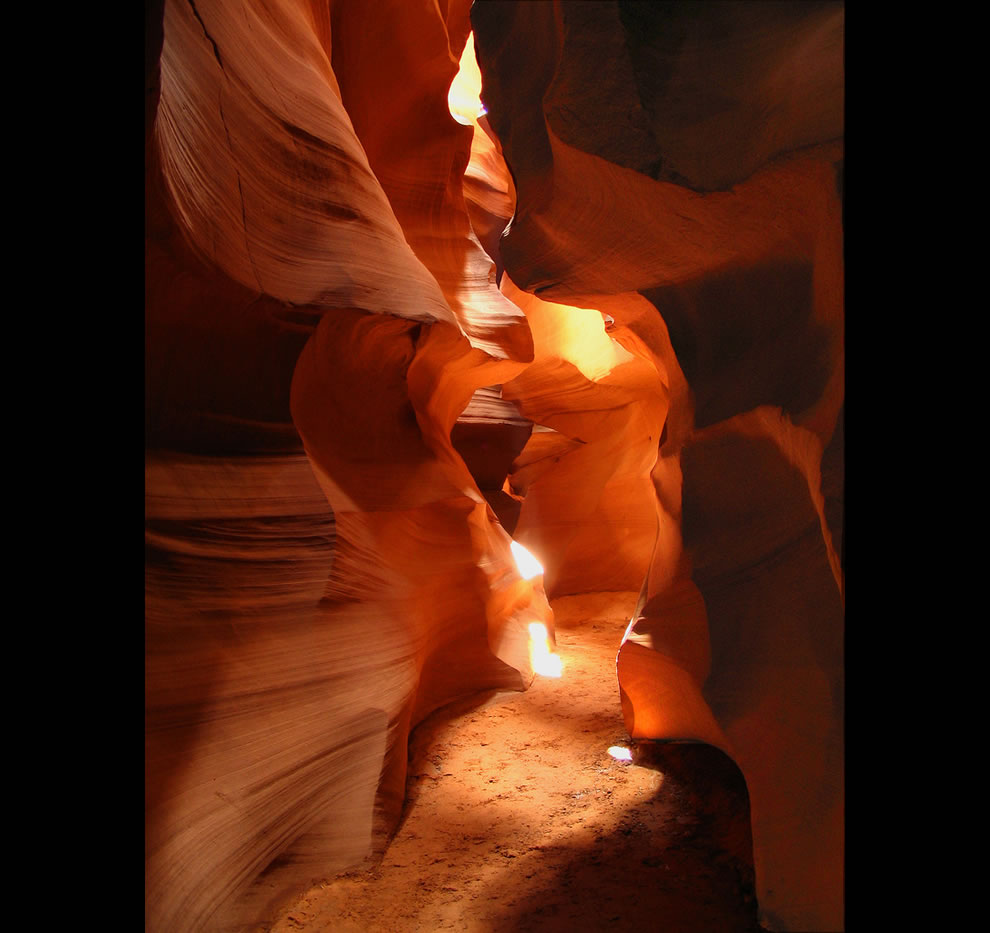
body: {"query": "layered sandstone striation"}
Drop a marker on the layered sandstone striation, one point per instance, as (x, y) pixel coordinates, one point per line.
(388, 325)
(322, 569)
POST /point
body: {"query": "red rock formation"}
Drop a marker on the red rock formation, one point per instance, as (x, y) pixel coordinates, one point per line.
(322, 569)
(689, 153)
(340, 401)
(588, 510)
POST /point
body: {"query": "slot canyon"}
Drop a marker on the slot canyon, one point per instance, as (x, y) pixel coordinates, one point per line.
(494, 467)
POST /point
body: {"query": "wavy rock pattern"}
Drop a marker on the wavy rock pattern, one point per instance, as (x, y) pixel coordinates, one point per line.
(341, 401)
(322, 569)
(268, 178)
(588, 509)
(419, 154)
(593, 401)
(695, 162)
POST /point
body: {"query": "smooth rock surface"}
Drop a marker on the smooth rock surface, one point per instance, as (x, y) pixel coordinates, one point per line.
(387, 325)
(724, 213)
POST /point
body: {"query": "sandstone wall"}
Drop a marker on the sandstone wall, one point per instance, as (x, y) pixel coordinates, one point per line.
(603, 313)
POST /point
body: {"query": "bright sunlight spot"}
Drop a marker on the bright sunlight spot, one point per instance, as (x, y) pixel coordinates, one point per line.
(463, 98)
(544, 661)
(528, 565)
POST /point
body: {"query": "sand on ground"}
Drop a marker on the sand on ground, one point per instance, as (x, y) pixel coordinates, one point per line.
(519, 819)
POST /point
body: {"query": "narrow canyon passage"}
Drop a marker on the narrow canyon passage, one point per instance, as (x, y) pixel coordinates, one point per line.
(518, 818)
(587, 290)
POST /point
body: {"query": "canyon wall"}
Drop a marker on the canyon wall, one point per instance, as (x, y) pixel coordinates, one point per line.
(602, 313)
(322, 569)
(678, 167)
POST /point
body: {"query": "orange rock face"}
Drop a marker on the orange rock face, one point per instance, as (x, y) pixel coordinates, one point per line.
(323, 571)
(693, 165)
(358, 387)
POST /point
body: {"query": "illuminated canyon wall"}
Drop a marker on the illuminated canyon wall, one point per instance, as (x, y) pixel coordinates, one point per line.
(605, 317)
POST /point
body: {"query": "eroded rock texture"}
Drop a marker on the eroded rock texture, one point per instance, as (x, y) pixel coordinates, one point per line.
(358, 387)
(686, 155)
(322, 569)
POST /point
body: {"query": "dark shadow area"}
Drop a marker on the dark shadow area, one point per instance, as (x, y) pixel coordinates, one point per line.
(703, 75)
(489, 450)
(747, 337)
(696, 876)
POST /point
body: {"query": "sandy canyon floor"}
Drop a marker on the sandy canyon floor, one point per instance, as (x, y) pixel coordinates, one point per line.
(519, 819)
